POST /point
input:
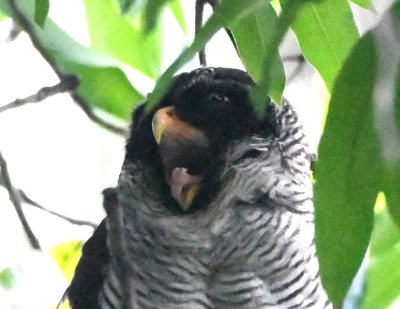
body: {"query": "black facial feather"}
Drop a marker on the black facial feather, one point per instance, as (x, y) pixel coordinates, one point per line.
(215, 100)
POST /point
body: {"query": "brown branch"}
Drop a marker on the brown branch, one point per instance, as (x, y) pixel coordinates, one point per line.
(29, 201)
(198, 22)
(15, 198)
(68, 83)
(294, 58)
(86, 108)
(26, 199)
(199, 9)
(300, 63)
(15, 31)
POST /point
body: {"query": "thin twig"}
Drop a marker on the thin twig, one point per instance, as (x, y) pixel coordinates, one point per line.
(16, 200)
(15, 31)
(295, 73)
(198, 22)
(31, 202)
(68, 83)
(294, 58)
(28, 28)
(81, 102)
(26, 199)
(199, 8)
(300, 63)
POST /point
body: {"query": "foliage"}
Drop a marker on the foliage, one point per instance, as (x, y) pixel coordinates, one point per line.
(41, 11)
(94, 66)
(382, 278)
(359, 149)
(363, 3)
(67, 255)
(326, 32)
(227, 13)
(253, 49)
(347, 184)
(7, 278)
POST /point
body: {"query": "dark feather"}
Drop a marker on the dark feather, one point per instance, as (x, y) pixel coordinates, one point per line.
(90, 272)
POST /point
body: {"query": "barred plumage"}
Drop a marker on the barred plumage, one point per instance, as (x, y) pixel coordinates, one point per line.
(251, 246)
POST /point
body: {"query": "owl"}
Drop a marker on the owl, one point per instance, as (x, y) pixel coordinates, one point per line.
(213, 207)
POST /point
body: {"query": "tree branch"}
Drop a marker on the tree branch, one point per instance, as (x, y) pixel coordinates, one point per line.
(198, 22)
(199, 8)
(26, 199)
(15, 31)
(29, 201)
(68, 83)
(294, 58)
(15, 198)
(18, 196)
(86, 108)
(300, 63)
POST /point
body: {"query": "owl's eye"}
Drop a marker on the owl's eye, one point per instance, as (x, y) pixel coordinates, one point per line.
(219, 98)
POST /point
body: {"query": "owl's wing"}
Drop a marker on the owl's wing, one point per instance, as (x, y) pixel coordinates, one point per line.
(90, 272)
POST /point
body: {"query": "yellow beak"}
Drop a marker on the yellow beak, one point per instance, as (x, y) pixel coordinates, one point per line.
(165, 120)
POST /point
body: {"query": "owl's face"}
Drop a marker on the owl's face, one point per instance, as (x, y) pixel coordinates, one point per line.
(185, 136)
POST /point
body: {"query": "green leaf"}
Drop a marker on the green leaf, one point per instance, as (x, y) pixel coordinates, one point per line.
(391, 175)
(326, 32)
(67, 255)
(347, 173)
(176, 8)
(152, 12)
(383, 272)
(154, 8)
(259, 93)
(252, 35)
(98, 74)
(225, 15)
(118, 97)
(125, 5)
(387, 96)
(7, 278)
(366, 4)
(276, 5)
(385, 235)
(119, 37)
(41, 11)
(2, 15)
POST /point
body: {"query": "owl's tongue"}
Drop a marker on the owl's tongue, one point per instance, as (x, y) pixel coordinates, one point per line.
(184, 186)
(184, 153)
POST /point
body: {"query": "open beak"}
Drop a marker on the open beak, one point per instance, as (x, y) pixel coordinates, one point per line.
(177, 141)
(165, 121)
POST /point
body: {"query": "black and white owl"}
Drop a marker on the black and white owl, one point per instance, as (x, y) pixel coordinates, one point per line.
(216, 205)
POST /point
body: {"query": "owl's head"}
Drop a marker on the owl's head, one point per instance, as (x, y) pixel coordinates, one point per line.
(186, 135)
